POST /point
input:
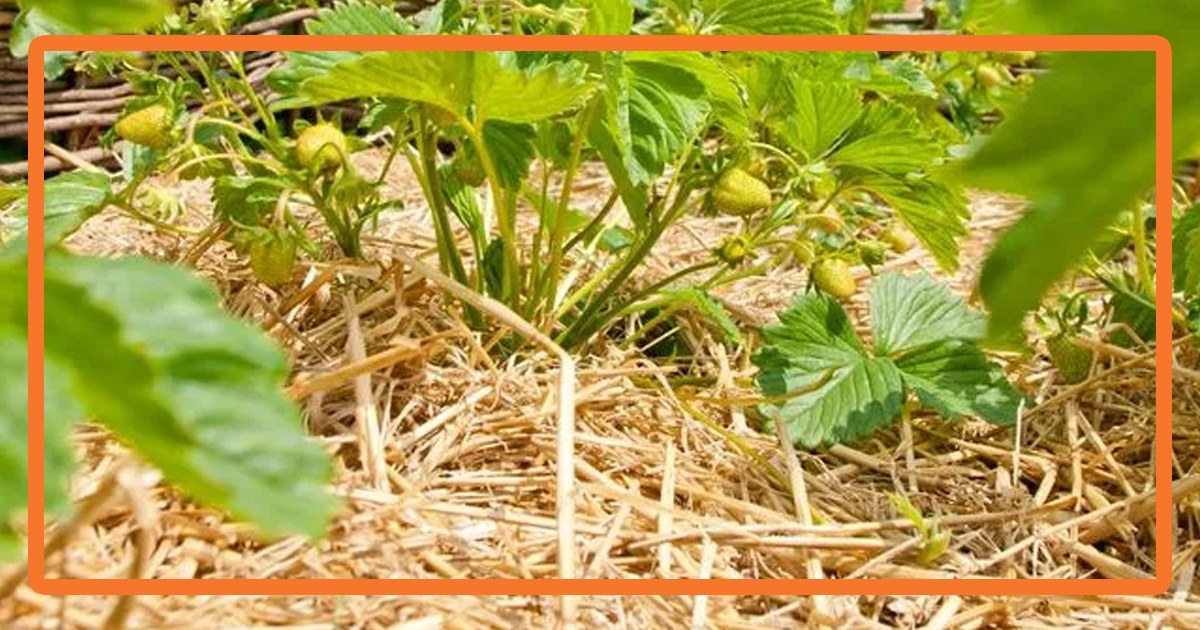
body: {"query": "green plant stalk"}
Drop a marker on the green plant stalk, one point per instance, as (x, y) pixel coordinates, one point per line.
(201, 64)
(534, 267)
(448, 255)
(505, 217)
(1141, 252)
(444, 233)
(248, 91)
(609, 204)
(644, 329)
(559, 229)
(779, 152)
(397, 142)
(635, 303)
(593, 317)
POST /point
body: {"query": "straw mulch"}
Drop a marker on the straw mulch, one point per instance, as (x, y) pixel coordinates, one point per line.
(456, 478)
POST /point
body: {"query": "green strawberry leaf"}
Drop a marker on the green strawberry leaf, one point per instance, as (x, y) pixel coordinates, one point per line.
(955, 379)
(344, 18)
(1185, 251)
(607, 17)
(60, 413)
(513, 147)
(649, 112)
(770, 17)
(701, 302)
(835, 391)
(829, 388)
(1079, 184)
(935, 212)
(114, 326)
(821, 114)
(244, 200)
(481, 85)
(912, 311)
(105, 16)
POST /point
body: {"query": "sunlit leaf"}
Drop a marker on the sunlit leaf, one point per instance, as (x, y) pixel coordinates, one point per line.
(771, 17)
(829, 388)
(105, 16)
(607, 17)
(822, 114)
(908, 312)
(114, 325)
(1078, 183)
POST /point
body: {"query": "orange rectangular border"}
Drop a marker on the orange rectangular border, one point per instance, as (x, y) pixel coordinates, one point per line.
(653, 586)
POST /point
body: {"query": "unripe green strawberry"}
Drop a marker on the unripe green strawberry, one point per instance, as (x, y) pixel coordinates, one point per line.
(466, 167)
(803, 251)
(321, 147)
(158, 202)
(740, 193)
(897, 239)
(826, 186)
(733, 250)
(1073, 361)
(272, 258)
(872, 252)
(988, 76)
(149, 126)
(833, 276)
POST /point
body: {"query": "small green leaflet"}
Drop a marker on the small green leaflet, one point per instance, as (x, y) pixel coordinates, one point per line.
(702, 303)
(70, 199)
(828, 387)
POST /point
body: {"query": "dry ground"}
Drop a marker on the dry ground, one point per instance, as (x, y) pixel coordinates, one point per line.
(671, 483)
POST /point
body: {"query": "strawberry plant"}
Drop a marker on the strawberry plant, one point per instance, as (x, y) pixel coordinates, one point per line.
(810, 146)
(829, 386)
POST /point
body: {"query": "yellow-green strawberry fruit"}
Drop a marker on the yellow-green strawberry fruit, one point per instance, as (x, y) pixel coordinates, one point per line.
(733, 250)
(833, 276)
(897, 239)
(272, 259)
(1073, 361)
(873, 252)
(321, 147)
(988, 76)
(149, 126)
(740, 193)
